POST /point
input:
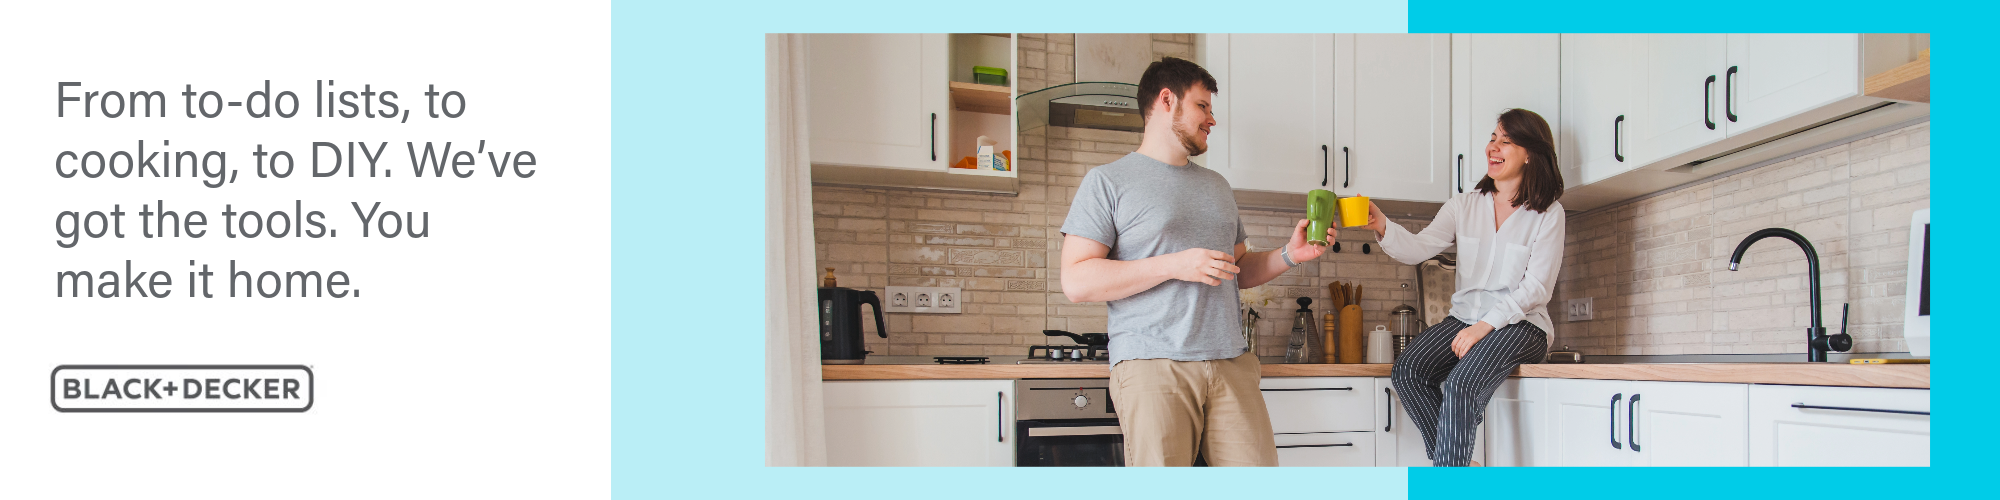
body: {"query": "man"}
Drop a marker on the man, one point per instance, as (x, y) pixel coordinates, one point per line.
(1159, 238)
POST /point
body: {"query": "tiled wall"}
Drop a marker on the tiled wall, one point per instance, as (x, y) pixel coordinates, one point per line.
(1005, 250)
(1657, 269)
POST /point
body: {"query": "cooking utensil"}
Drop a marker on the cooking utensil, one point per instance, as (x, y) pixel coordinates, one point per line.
(1097, 339)
(840, 335)
(1350, 334)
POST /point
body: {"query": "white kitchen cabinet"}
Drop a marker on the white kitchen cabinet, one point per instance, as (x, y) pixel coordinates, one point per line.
(1839, 426)
(919, 423)
(1274, 115)
(1491, 73)
(1627, 423)
(1398, 442)
(1518, 424)
(1322, 421)
(1326, 449)
(1392, 116)
(1682, 108)
(1352, 114)
(880, 100)
(1601, 93)
(1780, 75)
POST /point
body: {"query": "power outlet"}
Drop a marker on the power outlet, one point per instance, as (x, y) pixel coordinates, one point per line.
(1578, 309)
(923, 299)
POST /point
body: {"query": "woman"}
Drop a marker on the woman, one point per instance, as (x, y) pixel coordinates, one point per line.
(1509, 232)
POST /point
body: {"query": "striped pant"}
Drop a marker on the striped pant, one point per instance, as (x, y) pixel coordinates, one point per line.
(1447, 396)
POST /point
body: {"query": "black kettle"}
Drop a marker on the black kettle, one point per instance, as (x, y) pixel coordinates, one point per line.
(840, 325)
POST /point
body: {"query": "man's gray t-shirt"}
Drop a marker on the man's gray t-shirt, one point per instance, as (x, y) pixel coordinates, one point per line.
(1142, 207)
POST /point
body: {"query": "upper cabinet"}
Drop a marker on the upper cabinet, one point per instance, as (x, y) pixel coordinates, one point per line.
(896, 110)
(1649, 112)
(1491, 73)
(880, 100)
(1352, 114)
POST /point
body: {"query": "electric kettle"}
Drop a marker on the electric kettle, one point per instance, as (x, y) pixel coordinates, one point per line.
(840, 332)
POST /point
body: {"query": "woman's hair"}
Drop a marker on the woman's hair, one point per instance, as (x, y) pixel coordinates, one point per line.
(1541, 181)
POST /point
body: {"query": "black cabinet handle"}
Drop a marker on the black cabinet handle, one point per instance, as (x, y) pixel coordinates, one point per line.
(1347, 162)
(1617, 138)
(1804, 406)
(1632, 422)
(1707, 114)
(1729, 94)
(1310, 389)
(1614, 420)
(1461, 173)
(1325, 171)
(1315, 445)
(1000, 417)
(934, 136)
(1388, 409)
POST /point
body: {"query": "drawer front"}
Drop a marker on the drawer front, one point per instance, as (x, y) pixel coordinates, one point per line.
(1327, 449)
(1840, 426)
(1321, 404)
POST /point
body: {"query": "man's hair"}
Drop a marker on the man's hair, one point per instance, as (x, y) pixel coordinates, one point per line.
(1173, 74)
(1541, 181)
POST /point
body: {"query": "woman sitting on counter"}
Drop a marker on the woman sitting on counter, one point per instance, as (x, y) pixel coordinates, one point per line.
(1509, 232)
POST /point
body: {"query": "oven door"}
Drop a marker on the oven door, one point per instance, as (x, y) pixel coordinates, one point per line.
(1084, 442)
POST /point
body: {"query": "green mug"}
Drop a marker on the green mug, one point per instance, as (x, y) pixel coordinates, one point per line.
(1319, 214)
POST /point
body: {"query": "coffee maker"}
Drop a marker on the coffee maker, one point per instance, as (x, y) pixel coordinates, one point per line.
(840, 325)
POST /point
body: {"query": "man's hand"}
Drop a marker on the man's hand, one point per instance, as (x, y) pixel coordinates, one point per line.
(1201, 265)
(1469, 336)
(1303, 251)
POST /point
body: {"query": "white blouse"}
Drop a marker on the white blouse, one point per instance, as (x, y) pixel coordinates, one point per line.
(1505, 275)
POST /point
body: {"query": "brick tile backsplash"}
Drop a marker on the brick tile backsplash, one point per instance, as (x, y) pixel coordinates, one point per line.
(1657, 269)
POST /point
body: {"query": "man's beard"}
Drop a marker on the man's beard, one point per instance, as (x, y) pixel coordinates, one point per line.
(1186, 135)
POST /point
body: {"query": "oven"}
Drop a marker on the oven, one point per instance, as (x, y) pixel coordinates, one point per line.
(1066, 423)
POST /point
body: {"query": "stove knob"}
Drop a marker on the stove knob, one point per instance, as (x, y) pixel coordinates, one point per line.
(1081, 401)
(1076, 355)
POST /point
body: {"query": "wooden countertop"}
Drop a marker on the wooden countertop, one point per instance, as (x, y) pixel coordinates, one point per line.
(1905, 376)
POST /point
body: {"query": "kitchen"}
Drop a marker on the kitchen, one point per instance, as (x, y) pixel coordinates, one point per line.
(1684, 361)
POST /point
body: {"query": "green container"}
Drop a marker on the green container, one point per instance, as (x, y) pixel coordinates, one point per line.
(986, 75)
(1319, 213)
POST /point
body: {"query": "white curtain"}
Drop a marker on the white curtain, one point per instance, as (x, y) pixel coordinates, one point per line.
(794, 416)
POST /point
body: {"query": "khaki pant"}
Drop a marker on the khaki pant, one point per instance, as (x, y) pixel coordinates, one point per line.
(1171, 410)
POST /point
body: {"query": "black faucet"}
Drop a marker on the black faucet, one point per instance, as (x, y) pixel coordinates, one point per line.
(1818, 343)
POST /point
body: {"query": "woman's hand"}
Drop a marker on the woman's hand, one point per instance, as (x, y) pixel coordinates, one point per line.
(1301, 251)
(1201, 265)
(1469, 336)
(1377, 222)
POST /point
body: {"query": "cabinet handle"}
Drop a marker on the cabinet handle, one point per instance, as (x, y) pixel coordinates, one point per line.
(1729, 94)
(1617, 138)
(1310, 389)
(1389, 409)
(1347, 162)
(1325, 171)
(1000, 417)
(1315, 445)
(1632, 422)
(1804, 406)
(1614, 420)
(934, 136)
(1707, 114)
(1461, 173)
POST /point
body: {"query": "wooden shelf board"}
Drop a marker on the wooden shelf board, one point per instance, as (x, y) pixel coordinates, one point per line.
(979, 98)
(1909, 82)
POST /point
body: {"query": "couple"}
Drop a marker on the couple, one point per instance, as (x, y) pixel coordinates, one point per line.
(1159, 238)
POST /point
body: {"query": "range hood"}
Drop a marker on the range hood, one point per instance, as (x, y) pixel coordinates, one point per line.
(1094, 105)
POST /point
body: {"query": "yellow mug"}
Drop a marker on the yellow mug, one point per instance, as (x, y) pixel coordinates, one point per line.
(1354, 211)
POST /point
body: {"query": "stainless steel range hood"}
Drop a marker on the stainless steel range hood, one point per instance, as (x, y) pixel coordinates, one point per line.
(1095, 105)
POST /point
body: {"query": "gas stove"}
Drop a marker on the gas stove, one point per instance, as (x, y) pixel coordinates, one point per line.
(1066, 354)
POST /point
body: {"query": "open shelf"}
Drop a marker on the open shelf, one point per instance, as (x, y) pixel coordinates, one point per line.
(1909, 82)
(979, 98)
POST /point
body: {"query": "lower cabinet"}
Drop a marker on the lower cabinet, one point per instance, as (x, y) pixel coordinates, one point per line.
(1518, 424)
(1627, 423)
(1323, 421)
(920, 423)
(1839, 426)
